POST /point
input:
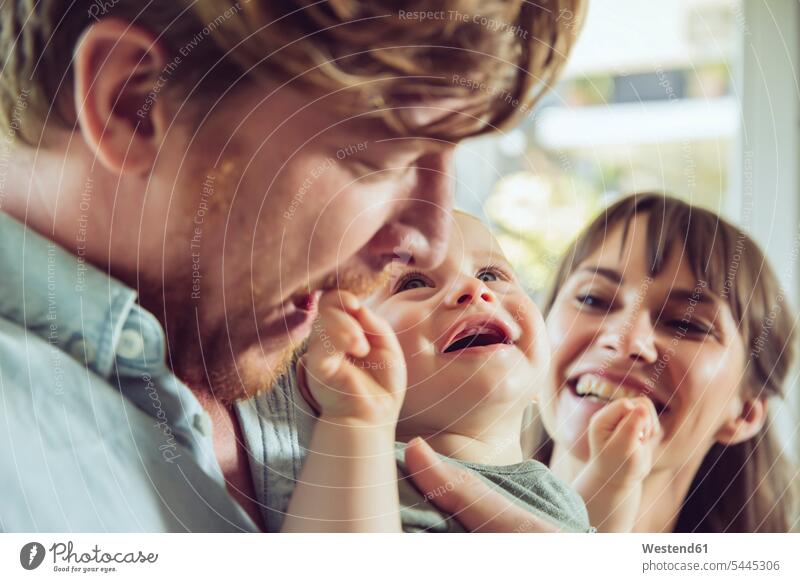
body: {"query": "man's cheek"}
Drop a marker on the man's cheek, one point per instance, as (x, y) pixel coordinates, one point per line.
(343, 229)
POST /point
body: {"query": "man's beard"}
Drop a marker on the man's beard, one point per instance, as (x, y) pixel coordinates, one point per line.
(255, 372)
(359, 284)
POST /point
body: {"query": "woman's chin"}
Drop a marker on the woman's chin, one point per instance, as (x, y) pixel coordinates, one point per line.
(579, 447)
(573, 415)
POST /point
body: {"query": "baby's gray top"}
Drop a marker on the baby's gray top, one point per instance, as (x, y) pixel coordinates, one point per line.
(529, 484)
(277, 427)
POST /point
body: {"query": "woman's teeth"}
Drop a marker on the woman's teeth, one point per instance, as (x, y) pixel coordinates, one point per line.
(591, 385)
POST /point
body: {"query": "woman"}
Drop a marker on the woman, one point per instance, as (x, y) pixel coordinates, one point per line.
(661, 298)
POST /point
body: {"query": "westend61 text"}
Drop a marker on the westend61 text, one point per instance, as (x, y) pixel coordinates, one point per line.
(673, 549)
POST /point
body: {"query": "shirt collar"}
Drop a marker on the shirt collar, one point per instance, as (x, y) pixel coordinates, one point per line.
(94, 318)
(74, 306)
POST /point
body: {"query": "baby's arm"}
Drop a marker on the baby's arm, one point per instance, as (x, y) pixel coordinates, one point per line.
(621, 440)
(355, 372)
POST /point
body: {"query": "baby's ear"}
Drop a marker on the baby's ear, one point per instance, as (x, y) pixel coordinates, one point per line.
(746, 424)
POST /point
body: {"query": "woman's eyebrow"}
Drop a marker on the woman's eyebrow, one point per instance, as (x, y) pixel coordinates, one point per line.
(687, 295)
(604, 272)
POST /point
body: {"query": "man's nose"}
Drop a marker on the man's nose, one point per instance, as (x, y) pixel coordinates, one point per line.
(467, 291)
(422, 226)
(631, 335)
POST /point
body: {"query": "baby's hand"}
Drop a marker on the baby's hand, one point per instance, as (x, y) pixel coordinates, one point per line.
(354, 367)
(622, 437)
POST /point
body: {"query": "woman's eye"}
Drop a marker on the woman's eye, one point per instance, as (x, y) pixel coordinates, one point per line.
(691, 327)
(589, 300)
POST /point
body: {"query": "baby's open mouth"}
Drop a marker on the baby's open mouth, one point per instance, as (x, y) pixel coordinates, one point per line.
(486, 334)
(597, 387)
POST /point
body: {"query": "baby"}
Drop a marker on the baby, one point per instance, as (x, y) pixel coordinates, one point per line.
(453, 355)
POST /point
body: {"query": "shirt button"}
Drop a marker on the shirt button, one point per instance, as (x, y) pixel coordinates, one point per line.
(131, 344)
(202, 423)
(82, 351)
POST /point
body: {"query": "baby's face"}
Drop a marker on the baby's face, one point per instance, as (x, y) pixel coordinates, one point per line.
(474, 342)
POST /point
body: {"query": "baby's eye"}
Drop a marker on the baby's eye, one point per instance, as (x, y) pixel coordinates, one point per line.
(412, 281)
(415, 283)
(488, 275)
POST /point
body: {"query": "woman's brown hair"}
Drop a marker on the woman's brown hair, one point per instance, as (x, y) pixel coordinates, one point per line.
(750, 486)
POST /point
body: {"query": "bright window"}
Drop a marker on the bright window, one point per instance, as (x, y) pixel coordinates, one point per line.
(646, 103)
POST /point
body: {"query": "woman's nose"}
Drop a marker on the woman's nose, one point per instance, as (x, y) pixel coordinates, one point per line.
(631, 336)
(469, 290)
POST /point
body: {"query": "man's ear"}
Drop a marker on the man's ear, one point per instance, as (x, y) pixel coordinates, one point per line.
(745, 424)
(119, 69)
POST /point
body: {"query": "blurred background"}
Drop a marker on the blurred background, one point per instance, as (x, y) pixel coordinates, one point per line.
(698, 98)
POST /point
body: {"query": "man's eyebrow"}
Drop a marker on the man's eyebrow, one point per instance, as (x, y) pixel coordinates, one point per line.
(604, 272)
(411, 142)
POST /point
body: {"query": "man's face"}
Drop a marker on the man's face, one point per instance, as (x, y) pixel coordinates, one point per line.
(282, 197)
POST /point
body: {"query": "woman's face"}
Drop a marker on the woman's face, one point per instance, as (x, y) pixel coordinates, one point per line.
(615, 332)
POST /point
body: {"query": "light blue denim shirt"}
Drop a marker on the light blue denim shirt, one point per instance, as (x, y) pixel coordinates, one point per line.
(97, 434)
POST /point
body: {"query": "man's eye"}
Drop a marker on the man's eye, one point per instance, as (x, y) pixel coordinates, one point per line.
(364, 167)
(371, 171)
(412, 281)
(367, 171)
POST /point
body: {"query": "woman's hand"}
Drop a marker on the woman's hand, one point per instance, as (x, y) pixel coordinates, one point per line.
(354, 369)
(464, 495)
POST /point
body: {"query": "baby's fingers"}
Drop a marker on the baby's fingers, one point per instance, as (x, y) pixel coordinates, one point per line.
(605, 421)
(632, 431)
(338, 331)
(339, 301)
(654, 423)
(648, 425)
(379, 333)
